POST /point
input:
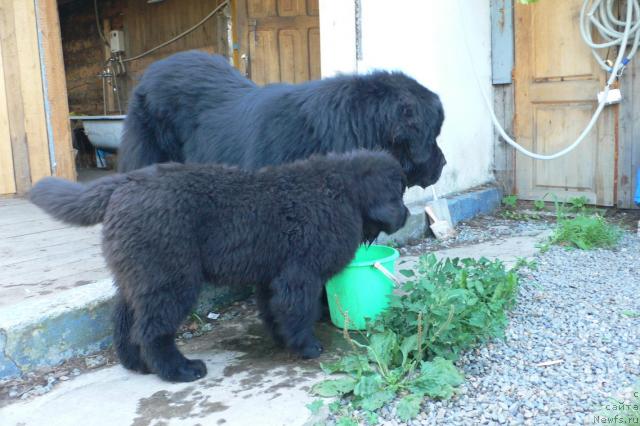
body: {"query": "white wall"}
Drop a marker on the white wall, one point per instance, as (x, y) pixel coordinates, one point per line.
(423, 38)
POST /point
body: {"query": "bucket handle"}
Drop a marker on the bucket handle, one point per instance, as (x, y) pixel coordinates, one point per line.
(386, 273)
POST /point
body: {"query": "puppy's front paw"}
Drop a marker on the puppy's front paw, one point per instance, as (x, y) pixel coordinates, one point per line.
(312, 349)
(192, 369)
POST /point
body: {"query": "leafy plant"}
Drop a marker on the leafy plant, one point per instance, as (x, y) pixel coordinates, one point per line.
(516, 215)
(447, 307)
(578, 204)
(585, 232)
(510, 201)
(462, 301)
(538, 205)
(523, 262)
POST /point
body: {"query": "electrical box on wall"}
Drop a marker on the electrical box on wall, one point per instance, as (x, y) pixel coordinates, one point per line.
(116, 41)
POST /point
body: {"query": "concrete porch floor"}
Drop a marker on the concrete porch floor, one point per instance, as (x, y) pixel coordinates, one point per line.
(249, 382)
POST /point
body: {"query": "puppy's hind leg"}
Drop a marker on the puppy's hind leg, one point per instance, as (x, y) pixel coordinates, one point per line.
(294, 303)
(263, 300)
(128, 352)
(158, 315)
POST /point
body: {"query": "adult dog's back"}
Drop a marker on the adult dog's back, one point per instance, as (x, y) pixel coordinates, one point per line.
(194, 107)
(167, 105)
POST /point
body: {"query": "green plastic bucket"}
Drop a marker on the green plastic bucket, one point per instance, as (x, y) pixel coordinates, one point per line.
(362, 290)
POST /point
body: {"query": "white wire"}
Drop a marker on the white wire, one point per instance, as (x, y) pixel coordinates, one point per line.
(608, 31)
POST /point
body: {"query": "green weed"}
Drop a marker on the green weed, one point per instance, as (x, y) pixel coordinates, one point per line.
(448, 307)
(510, 201)
(585, 232)
(538, 205)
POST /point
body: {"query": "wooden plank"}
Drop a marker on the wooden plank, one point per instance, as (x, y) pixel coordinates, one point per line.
(51, 267)
(7, 180)
(628, 149)
(63, 247)
(15, 109)
(29, 227)
(314, 54)
(47, 237)
(50, 255)
(15, 214)
(7, 200)
(241, 28)
(504, 155)
(56, 93)
(32, 89)
(17, 292)
(235, 40)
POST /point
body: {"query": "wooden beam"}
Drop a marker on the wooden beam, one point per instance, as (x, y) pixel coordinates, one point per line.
(241, 36)
(628, 147)
(15, 109)
(504, 156)
(7, 180)
(28, 56)
(56, 93)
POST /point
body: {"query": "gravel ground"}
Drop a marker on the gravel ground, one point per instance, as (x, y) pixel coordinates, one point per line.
(481, 229)
(491, 227)
(579, 309)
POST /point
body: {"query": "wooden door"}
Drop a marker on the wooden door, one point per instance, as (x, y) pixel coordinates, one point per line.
(280, 40)
(556, 86)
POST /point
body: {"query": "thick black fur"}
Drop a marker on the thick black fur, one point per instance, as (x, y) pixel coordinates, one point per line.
(169, 228)
(196, 108)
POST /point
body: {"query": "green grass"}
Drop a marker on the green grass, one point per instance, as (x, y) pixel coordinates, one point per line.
(510, 201)
(586, 232)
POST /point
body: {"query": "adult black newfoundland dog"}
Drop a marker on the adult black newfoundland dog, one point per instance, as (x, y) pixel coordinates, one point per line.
(286, 229)
(196, 108)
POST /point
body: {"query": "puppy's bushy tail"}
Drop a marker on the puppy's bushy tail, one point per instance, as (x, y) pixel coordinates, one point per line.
(75, 203)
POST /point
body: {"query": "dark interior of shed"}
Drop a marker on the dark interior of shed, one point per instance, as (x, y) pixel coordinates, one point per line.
(107, 45)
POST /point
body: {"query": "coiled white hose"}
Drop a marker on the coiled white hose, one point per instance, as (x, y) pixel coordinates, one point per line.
(594, 13)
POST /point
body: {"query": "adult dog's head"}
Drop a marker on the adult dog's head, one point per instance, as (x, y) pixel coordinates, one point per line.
(378, 185)
(407, 118)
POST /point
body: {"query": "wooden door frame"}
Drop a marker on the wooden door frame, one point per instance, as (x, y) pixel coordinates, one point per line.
(55, 84)
(36, 94)
(628, 154)
(240, 35)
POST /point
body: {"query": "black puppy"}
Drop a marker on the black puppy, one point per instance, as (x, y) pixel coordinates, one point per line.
(196, 108)
(286, 229)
